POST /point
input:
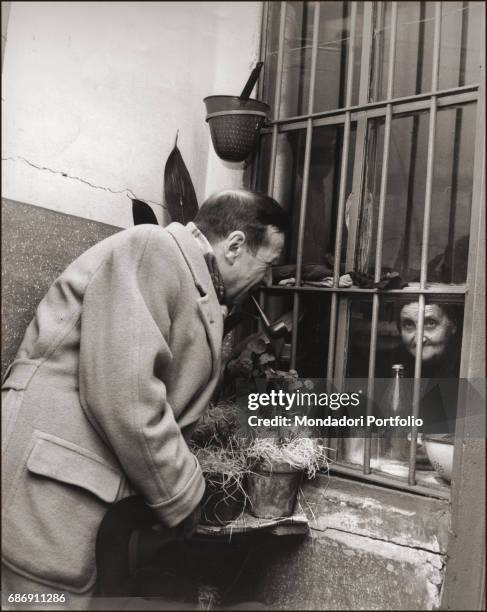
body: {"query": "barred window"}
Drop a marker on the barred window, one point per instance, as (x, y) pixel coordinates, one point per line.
(373, 147)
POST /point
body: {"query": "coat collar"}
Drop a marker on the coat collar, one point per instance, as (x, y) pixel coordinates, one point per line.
(193, 256)
(208, 305)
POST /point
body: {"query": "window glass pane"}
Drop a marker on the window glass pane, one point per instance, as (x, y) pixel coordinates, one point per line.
(403, 218)
(333, 55)
(288, 175)
(289, 181)
(452, 195)
(461, 31)
(406, 188)
(265, 150)
(380, 51)
(313, 330)
(323, 195)
(414, 49)
(297, 59)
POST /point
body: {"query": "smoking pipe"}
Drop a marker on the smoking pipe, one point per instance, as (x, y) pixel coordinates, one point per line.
(273, 330)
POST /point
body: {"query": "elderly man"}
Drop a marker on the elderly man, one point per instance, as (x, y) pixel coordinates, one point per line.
(121, 358)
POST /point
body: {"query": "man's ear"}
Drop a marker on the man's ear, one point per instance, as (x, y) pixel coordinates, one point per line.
(234, 244)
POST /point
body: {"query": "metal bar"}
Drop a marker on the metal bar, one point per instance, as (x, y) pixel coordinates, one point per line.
(371, 378)
(351, 54)
(341, 198)
(380, 231)
(404, 109)
(361, 136)
(345, 151)
(382, 103)
(305, 186)
(436, 290)
(314, 56)
(277, 98)
(391, 482)
(436, 49)
(341, 201)
(332, 337)
(378, 47)
(452, 217)
(456, 145)
(392, 52)
(402, 261)
(425, 242)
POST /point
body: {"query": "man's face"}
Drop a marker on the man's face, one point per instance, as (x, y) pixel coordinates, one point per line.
(438, 329)
(244, 270)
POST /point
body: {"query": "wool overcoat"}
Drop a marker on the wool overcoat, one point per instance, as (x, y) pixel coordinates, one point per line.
(121, 358)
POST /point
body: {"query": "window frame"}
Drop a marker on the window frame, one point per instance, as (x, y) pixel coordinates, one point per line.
(465, 543)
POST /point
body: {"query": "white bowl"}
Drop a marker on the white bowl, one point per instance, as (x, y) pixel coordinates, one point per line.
(439, 449)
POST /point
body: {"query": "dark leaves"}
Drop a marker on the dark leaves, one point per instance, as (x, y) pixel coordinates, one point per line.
(142, 213)
(178, 189)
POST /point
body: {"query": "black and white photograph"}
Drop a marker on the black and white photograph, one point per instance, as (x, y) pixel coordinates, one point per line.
(243, 305)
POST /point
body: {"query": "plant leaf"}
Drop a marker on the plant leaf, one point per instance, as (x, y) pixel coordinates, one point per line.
(142, 213)
(178, 189)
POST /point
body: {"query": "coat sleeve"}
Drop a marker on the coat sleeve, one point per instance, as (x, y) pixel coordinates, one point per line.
(124, 355)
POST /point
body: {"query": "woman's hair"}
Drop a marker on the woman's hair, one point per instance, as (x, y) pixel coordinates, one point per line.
(240, 209)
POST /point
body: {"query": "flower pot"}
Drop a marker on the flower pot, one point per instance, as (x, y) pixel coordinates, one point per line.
(273, 490)
(235, 125)
(223, 501)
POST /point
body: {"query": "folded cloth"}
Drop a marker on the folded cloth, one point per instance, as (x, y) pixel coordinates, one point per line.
(344, 281)
(390, 280)
(310, 272)
(364, 281)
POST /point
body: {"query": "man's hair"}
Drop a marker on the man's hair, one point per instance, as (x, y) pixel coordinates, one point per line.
(240, 209)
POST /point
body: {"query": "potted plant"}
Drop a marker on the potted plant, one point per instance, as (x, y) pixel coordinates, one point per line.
(276, 469)
(220, 453)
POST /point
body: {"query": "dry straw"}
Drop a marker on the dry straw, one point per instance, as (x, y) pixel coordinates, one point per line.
(306, 454)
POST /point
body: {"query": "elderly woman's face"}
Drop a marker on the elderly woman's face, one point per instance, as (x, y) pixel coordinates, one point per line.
(438, 329)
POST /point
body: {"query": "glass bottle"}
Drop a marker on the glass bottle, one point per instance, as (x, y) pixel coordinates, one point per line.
(394, 445)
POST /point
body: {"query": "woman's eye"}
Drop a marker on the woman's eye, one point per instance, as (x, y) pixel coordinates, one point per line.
(430, 323)
(408, 325)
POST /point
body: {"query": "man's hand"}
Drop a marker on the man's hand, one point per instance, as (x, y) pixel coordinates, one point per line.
(188, 526)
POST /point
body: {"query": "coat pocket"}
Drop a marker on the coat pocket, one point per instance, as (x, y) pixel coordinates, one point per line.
(59, 501)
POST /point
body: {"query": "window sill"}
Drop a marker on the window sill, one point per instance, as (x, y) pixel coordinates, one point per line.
(364, 509)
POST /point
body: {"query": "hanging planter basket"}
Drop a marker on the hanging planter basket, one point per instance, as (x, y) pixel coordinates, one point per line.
(235, 124)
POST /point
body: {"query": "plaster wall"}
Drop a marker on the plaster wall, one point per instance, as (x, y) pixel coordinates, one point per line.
(93, 94)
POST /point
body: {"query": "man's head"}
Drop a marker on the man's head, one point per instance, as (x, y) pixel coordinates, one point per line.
(439, 327)
(246, 230)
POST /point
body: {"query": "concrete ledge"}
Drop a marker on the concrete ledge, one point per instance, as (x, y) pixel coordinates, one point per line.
(376, 512)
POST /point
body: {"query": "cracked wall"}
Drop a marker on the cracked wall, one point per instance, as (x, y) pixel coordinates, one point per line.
(94, 93)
